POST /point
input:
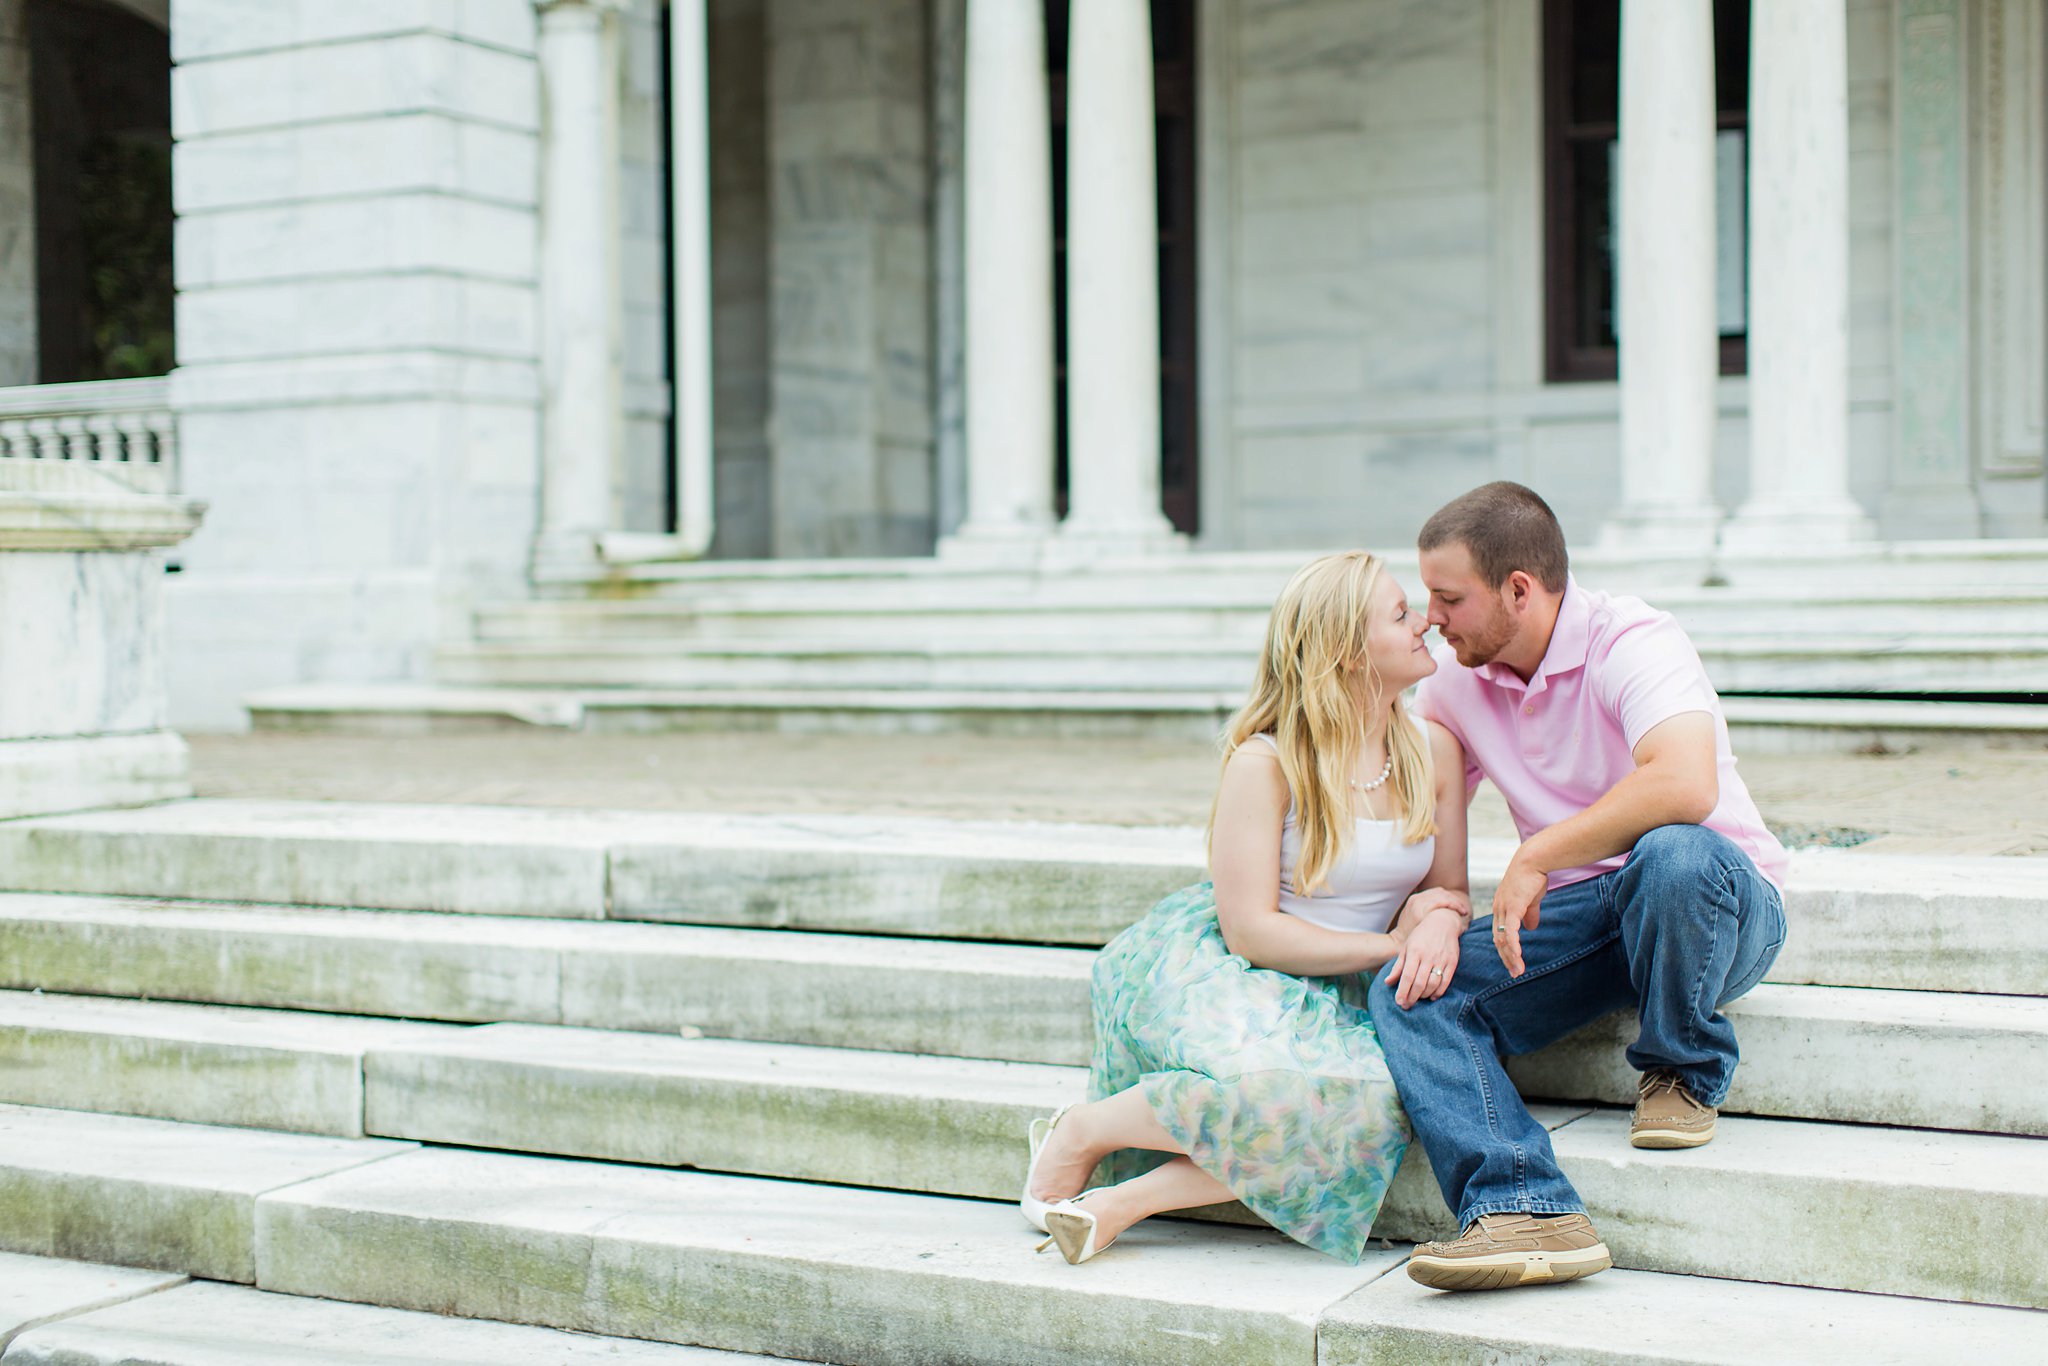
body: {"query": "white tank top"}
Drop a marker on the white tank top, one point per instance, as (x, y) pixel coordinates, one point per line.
(1367, 884)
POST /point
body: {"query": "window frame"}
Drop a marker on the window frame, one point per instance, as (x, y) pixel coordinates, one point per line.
(1565, 361)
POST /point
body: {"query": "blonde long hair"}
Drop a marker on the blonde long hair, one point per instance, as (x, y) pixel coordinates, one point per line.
(1315, 681)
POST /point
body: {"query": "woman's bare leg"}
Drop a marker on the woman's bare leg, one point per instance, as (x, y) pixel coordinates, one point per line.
(1088, 1133)
(1178, 1184)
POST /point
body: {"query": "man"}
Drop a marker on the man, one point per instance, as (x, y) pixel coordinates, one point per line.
(1645, 880)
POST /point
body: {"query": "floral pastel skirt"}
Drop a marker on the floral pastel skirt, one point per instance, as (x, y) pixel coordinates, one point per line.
(1274, 1084)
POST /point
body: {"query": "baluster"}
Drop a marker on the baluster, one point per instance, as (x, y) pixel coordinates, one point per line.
(73, 441)
(165, 428)
(103, 438)
(44, 443)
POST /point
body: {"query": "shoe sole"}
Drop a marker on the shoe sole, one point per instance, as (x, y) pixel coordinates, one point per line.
(1505, 1270)
(1669, 1138)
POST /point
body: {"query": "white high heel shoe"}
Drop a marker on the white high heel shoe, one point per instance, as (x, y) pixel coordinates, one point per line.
(1034, 1209)
(1074, 1229)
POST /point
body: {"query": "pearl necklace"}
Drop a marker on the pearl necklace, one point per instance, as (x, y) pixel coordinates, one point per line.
(1385, 773)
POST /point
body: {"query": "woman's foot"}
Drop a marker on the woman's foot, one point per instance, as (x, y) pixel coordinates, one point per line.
(1087, 1225)
(1064, 1160)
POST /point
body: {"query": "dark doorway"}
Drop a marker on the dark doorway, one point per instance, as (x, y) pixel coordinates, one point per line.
(101, 78)
(1173, 85)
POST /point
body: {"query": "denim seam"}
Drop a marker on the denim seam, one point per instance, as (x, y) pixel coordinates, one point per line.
(1524, 1207)
(1692, 1019)
(1465, 1012)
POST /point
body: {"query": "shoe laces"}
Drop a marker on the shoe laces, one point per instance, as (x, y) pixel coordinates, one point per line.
(1653, 1082)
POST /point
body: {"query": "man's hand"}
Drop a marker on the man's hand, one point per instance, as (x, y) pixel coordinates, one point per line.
(1427, 962)
(1517, 904)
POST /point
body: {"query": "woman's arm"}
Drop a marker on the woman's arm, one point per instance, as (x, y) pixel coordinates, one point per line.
(1244, 860)
(1447, 870)
(1436, 915)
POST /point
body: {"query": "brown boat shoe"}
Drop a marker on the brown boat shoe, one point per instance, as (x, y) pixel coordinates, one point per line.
(1668, 1115)
(1497, 1251)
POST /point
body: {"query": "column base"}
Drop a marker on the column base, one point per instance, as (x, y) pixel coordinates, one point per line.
(567, 556)
(88, 773)
(1019, 544)
(1082, 540)
(1772, 527)
(1663, 532)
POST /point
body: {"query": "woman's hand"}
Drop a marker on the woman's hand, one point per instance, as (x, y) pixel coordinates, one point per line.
(1422, 971)
(1418, 906)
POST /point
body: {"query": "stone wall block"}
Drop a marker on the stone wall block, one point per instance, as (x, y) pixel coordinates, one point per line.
(353, 80)
(370, 236)
(220, 28)
(339, 317)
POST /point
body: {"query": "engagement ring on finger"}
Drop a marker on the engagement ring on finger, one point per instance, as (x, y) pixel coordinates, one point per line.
(1436, 972)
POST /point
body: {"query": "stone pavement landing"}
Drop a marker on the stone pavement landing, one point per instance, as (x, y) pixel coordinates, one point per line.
(1927, 802)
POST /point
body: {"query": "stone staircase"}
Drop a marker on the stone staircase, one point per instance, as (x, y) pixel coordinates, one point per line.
(758, 1084)
(1837, 649)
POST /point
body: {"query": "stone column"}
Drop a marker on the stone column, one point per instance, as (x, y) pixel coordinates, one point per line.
(19, 359)
(1112, 284)
(582, 414)
(1799, 281)
(1669, 347)
(1009, 304)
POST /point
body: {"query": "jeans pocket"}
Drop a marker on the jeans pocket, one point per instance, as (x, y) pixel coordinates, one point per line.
(1756, 948)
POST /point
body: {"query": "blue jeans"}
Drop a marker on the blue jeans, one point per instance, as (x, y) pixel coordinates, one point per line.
(1686, 925)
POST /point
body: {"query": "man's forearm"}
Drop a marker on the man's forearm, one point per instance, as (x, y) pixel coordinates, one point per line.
(1638, 804)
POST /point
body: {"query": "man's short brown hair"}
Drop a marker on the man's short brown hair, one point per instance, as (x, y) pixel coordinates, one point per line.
(1504, 527)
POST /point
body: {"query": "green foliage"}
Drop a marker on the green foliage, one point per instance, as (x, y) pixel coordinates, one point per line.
(125, 221)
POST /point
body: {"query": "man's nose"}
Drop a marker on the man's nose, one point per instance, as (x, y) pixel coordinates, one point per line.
(1438, 617)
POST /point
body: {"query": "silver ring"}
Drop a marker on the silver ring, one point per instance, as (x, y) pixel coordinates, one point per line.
(1436, 972)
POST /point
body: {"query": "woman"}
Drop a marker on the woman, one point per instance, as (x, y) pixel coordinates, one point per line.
(1234, 1058)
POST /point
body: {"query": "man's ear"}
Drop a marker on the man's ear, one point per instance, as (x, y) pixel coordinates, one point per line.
(1520, 590)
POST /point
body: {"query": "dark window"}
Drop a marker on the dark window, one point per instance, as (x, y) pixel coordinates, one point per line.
(1581, 115)
(1173, 85)
(101, 82)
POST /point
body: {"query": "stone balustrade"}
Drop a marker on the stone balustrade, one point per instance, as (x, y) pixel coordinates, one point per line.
(122, 428)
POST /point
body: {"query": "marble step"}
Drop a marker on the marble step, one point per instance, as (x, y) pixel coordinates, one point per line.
(950, 1125)
(402, 709)
(39, 1290)
(1919, 923)
(1233, 612)
(1931, 662)
(209, 1324)
(264, 1069)
(1620, 1318)
(1763, 724)
(849, 1275)
(1019, 1002)
(1007, 664)
(152, 1193)
(822, 1114)
(1947, 1217)
(1808, 1051)
(859, 1117)
(2016, 565)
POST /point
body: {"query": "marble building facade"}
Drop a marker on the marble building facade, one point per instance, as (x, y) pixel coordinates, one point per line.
(479, 295)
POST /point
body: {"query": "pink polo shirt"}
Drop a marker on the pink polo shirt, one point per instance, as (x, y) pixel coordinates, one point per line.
(1616, 668)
